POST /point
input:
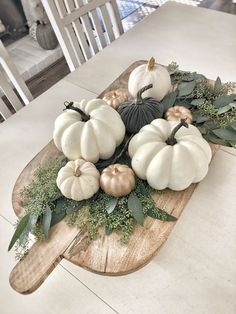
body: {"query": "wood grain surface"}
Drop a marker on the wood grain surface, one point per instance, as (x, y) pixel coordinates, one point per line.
(105, 255)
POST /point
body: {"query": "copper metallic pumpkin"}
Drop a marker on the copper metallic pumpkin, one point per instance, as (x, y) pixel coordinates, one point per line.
(116, 97)
(117, 180)
(177, 113)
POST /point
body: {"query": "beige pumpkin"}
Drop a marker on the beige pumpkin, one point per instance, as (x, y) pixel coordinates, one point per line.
(177, 113)
(169, 154)
(117, 180)
(150, 73)
(116, 97)
(90, 130)
(78, 180)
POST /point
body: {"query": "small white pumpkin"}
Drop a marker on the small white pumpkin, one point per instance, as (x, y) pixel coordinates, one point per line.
(150, 73)
(78, 180)
(89, 130)
(168, 155)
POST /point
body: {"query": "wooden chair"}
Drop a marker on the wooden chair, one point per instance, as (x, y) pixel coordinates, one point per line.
(83, 27)
(9, 74)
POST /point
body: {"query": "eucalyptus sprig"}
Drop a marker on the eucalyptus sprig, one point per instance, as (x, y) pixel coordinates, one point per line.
(46, 206)
(213, 105)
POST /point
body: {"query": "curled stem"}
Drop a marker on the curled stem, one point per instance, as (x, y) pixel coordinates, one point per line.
(69, 105)
(171, 139)
(139, 99)
(123, 150)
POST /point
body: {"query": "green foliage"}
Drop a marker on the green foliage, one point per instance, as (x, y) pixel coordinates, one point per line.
(23, 223)
(114, 214)
(169, 100)
(39, 198)
(213, 105)
(111, 205)
(122, 219)
(135, 207)
(43, 190)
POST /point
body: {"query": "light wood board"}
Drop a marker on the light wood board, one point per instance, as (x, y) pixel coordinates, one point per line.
(105, 255)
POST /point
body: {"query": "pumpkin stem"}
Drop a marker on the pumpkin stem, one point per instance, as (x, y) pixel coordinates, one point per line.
(77, 172)
(122, 151)
(69, 105)
(116, 170)
(171, 139)
(151, 64)
(139, 99)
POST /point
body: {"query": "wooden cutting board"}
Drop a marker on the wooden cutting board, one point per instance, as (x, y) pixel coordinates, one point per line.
(105, 255)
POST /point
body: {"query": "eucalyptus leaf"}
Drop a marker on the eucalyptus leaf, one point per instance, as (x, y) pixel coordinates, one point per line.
(135, 207)
(185, 103)
(202, 129)
(169, 100)
(143, 188)
(223, 100)
(32, 222)
(57, 217)
(201, 119)
(228, 134)
(186, 88)
(198, 102)
(217, 84)
(190, 77)
(47, 217)
(210, 125)
(108, 231)
(22, 225)
(111, 205)
(224, 109)
(160, 214)
(233, 125)
(61, 205)
(200, 77)
(214, 139)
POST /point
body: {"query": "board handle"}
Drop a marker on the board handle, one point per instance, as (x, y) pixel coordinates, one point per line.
(31, 271)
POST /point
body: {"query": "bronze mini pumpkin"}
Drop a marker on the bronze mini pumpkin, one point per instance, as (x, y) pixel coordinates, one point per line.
(177, 113)
(116, 97)
(117, 180)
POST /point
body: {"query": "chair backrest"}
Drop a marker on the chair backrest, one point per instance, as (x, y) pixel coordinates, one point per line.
(9, 74)
(83, 27)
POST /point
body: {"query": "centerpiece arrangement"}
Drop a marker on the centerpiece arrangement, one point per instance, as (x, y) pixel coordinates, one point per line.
(120, 153)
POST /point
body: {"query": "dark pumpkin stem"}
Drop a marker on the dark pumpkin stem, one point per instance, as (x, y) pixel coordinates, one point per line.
(171, 139)
(141, 91)
(69, 105)
(122, 151)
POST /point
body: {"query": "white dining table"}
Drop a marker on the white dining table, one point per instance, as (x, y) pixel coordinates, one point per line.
(194, 272)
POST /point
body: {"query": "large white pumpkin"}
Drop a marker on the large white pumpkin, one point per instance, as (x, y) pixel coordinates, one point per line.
(183, 160)
(150, 73)
(78, 180)
(91, 134)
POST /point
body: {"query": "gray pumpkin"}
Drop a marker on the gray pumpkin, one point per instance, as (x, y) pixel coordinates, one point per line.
(137, 113)
(45, 36)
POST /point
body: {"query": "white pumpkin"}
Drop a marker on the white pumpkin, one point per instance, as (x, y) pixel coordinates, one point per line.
(89, 130)
(78, 180)
(168, 155)
(150, 73)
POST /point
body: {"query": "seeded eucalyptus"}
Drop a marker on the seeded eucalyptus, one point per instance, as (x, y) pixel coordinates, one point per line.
(46, 206)
(213, 105)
